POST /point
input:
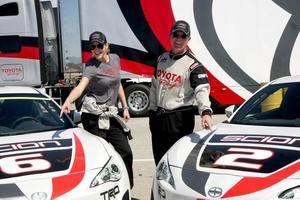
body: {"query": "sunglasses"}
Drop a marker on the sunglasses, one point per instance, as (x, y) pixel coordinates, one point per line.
(99, 46)
(178, 35)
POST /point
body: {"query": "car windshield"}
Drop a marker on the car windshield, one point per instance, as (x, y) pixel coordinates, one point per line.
(28, 114)
(275, 105)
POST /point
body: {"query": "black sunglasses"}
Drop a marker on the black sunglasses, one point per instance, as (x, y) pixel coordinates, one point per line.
(177, 35)
(99, 46)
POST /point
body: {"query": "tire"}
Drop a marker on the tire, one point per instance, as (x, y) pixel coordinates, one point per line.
(216, 107)
(137, 97)
(152, 198)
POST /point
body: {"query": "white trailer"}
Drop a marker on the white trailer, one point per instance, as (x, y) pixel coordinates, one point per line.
(241, 43)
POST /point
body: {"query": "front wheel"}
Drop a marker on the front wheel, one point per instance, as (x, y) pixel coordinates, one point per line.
(137, 97)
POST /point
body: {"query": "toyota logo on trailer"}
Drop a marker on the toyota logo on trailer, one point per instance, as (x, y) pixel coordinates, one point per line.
(215, 192)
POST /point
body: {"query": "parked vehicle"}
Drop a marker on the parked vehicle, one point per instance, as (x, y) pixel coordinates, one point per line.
(45, 156)
(242, 44)
(253, 155)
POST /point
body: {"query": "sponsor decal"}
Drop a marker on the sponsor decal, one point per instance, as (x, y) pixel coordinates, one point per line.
(201, 76)
(30, 145)
(169, 76)
(12, 72)
(33, 157)
(168, 79)
(111, 71)
(161, 192)
(110, 194)
(36, 157)
(260, 139)
(275, 163)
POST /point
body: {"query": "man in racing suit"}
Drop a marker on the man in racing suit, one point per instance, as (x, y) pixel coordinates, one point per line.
(178, 81)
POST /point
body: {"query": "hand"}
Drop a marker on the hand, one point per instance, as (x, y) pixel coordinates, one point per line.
(65, 108)
(206, 122)
(126, 115)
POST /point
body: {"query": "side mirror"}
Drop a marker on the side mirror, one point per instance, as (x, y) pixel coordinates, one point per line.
(75, 116)
(230, 110)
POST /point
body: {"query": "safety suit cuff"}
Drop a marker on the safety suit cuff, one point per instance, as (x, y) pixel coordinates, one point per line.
(207, 112)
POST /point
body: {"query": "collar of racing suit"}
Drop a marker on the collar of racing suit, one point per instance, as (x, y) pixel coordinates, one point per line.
(178, 56)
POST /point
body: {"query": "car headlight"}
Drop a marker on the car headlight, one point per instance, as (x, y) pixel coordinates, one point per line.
(111, 172)
(163, 172)
(292, 193)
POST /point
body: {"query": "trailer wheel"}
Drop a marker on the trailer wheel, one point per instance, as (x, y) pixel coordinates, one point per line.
(137, 97)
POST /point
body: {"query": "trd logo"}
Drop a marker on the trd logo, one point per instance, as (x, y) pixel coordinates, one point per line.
(161, 192)
(110, 194)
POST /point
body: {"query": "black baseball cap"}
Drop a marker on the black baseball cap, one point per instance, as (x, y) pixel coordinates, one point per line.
(183, 26)
(97, 36)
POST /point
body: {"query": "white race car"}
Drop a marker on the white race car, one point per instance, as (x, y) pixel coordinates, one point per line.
(43, 156)
(254, 155)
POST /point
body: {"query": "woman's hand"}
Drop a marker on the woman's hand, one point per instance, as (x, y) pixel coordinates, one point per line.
(126, 115)
(75, 94)
(65, 108)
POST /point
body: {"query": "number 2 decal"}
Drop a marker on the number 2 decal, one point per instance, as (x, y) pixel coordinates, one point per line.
(231, 159)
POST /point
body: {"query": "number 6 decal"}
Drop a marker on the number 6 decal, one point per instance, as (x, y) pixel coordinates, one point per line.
(231, 159)
(23, 163)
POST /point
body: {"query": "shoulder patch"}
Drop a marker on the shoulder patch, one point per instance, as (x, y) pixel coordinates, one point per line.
(200, 76)
(194, 65)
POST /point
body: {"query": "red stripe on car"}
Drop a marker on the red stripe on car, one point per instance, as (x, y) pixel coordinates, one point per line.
(249, 185)
(65, 183)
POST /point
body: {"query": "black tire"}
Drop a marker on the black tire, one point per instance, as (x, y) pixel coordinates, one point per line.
(152, 198)
(216, 107)
(137, 97)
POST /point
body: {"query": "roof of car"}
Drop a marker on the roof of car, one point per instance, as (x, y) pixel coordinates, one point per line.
(18, 90)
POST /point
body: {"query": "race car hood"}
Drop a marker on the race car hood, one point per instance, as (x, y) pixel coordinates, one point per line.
(246, 159)
(239, 150)
(50, 154)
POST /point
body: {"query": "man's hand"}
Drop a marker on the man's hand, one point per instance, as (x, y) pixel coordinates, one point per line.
(207, 122)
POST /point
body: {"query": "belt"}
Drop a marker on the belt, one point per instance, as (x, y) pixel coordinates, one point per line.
(162, 111)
